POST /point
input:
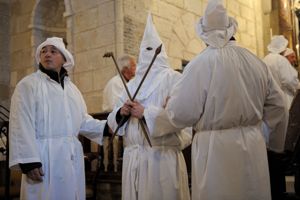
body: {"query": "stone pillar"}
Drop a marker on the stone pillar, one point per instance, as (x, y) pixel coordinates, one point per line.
(285, 21)
(4, 53)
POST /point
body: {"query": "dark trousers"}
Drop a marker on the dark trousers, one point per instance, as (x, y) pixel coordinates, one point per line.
(277, 175)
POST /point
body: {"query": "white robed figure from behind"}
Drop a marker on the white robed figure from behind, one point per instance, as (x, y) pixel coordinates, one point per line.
(158, 172)
(225, 93)
(284, 73)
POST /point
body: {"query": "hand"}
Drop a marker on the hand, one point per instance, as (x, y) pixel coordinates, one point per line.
(137, 110)
(126, 108)
(36, 174)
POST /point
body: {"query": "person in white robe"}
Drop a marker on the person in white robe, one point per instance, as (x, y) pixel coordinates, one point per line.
(158, 172)
(287, 78)
(225, 93)
(46, 115)
(284, 73)
(114, 87)
(291, 56)
(111, 94)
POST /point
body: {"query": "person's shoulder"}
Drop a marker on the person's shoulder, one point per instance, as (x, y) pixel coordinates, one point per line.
(201, 60)
(28, 79)
(28, 83)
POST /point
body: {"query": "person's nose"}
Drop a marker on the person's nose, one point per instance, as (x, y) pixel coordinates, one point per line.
(47, 54)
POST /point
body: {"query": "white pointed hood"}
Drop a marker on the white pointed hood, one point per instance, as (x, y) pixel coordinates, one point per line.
(216, 28)
(149, 44)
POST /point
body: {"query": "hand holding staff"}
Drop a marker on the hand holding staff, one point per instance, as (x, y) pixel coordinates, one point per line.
(110, 54)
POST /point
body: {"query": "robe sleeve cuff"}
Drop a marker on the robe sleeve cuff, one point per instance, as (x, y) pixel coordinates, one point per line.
(26, 167)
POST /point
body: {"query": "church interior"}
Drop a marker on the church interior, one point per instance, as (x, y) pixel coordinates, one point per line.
(91, 28)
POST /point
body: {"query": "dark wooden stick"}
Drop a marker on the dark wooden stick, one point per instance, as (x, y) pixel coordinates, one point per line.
(110, 54)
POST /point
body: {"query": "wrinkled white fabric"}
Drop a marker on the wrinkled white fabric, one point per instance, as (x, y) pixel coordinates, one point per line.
(215, 16)
(45, 120)
(149, 44)
(59, 44)
(158, 172)
(278, 44)
(226, 94)
(285, 75)
(112, 93)
(215, 28)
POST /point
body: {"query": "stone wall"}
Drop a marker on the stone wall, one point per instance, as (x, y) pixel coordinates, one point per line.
(4, 53)
(175, 21)
(21, 56)
(93, 27)
(94, 34)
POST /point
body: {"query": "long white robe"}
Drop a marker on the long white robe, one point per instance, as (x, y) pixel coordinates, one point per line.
(112, 93)
(285, 75)
(158, 172)
(45, 120)
(226, 93)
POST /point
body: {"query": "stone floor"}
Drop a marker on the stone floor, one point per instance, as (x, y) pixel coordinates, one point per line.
(111, 190)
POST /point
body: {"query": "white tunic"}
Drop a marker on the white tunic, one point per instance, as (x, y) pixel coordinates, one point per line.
(45, 120)
(285, 75)
(158, 172)
(112, 93)
(226, 93)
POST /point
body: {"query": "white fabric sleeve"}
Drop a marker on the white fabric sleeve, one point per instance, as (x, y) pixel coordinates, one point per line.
(22, 135)
(112, 123)
(288, 77)
(186, 102)
(275, 115)
(93, 129)
(150, 114)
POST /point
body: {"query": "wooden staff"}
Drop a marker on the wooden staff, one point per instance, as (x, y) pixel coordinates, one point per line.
(110, 54)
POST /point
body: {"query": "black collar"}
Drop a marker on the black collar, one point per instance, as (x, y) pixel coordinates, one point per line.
(59, 78)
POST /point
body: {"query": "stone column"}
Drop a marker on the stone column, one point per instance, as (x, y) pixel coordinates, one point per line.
(285, 21)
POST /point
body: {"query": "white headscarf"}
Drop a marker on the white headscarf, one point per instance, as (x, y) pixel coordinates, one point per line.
(278, 44)
(288, 51)
(59, 44)
(216, 28)
(150, 42)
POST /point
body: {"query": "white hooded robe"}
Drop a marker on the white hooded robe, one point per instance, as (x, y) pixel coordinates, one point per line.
(225, 93)
(158, 172)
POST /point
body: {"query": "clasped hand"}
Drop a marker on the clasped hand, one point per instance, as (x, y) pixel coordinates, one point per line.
(36, 174)
(133, 108)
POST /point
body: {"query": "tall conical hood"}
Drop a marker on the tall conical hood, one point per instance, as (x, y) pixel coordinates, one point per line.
(150, 42)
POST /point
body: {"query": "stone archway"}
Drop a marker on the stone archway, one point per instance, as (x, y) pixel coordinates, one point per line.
(48, 20)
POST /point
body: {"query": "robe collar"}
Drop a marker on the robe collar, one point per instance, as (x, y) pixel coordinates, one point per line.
(58, 77)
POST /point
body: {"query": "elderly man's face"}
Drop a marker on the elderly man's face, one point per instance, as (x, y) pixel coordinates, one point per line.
(52, 58)
(292, 59)
(129, 72)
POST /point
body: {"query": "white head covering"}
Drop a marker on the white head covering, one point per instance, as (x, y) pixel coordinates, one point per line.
(59, 44)
(216, 28)
(288, 51)
(278, 44)
(149, 44)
